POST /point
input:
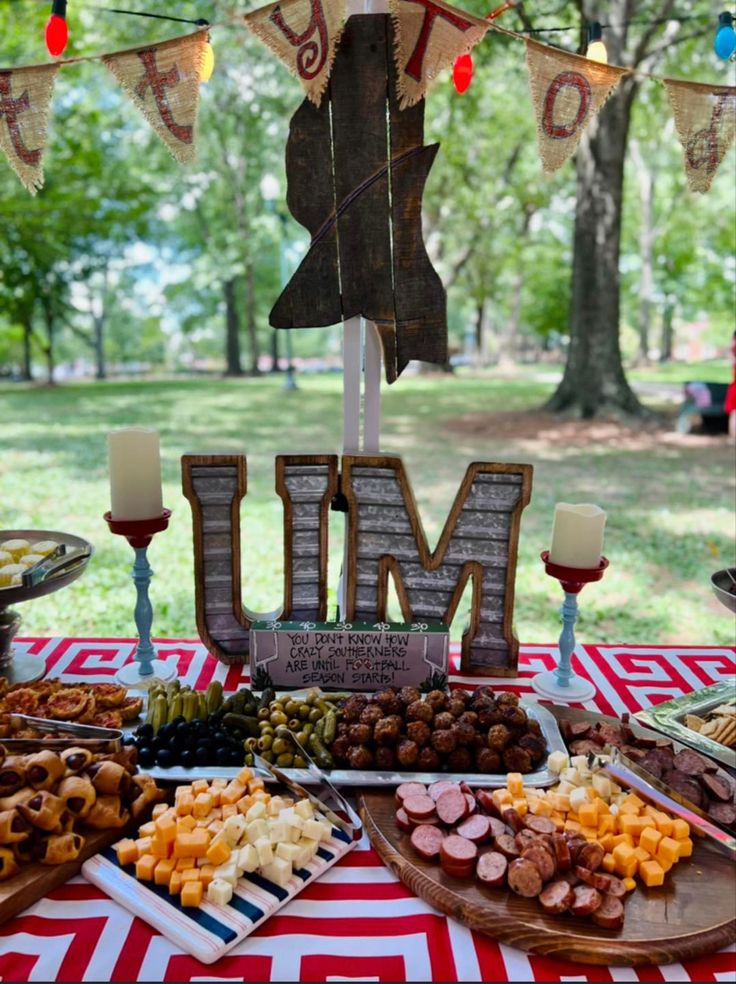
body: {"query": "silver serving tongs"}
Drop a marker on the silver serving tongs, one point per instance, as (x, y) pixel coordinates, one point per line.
(325, 797)
(56, 562)
(628, 773)
(82, 733)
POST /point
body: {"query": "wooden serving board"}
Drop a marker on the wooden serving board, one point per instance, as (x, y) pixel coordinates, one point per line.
(34, 881)
(692, 914)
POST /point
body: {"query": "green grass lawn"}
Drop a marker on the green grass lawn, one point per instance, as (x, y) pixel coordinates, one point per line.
(669, 501)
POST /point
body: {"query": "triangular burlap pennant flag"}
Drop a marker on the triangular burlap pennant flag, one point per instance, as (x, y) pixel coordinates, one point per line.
(429, 37)
(163, 81)
(304, 34)
(567, 92)
(705, 117)
(25, 95)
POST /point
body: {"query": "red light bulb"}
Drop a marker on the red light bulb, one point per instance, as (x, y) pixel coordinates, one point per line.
(57, 31)
(462, 72)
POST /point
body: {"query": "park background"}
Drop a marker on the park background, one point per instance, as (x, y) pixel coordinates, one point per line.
(136, 291)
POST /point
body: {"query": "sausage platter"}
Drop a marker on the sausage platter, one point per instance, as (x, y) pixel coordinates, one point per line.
(692, 914)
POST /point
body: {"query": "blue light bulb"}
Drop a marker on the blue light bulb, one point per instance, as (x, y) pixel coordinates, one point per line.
(725, 41)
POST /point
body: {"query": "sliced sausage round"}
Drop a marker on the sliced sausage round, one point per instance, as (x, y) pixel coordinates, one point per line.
(608, 884)
(540, 825)
(576, 843)
(578, 729)
(715, 787)
(419, 807)
(438, 788)
(557, 897)
(690, 762)
(524, 878)
(512, 818)
(470, 800)
(722, 813)
(689, 788)
(506, 844)
(409, 789)
(485, 798)
(491, 869)
(427, 841)
(586, 900)
(498, 827)
(590, 856)
(452, 806)
(610, 913)
(562, 852)
(543, 860)
(403, 822)
(458, 856)
(476, 828)
(524, 838)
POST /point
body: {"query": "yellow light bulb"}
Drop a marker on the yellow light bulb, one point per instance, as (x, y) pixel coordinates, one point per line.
(597, 52)
(208, 63)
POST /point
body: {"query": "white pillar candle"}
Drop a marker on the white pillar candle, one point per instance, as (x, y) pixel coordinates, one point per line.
(135, 473)
(577, 535)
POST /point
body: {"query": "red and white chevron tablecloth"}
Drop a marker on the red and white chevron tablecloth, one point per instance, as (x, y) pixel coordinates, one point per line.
(358, 922)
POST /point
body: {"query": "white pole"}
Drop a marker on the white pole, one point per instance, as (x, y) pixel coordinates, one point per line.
(372, 383)
(352, 360)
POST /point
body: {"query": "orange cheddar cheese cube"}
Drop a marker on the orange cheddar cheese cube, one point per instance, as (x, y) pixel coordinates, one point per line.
(145, 867)
(175, 883)
(664, 824)
(200, 786)
(244, 804)
(232, 792)
(202, 805)
(255, 784)
(589, 833)
(183, 863)
(606, 842)
(218, 852)
(629, 823)
(147, 829)
(629, 884)
(572, 826)
(665, 865)
(603, 807)
(606, 824)
(144, 846)
(686, 847)
(609, 863)
(680, 828)
(645, 821)
(558, 820)
(193, 844)
(651, 873)
(163, 871)
(158, 810)
(228, 810)
(633, 801)
(165, 828)
(650, 838)
(159, 848)
(588, 814)
(640, 854)
(515, 784)
(191, 893)
(206, 874)
(185, 823)
(189, 874)
(668, 849)
(126, 851)
(624, 856)
(184, 805)
(623, 839)
(245, 775)
(521, 806)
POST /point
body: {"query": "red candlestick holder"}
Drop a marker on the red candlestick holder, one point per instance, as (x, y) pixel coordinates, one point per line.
(561, 684)
(139, 533)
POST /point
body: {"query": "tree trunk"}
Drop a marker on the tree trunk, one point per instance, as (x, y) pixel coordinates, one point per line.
(668, 333)
(98, 322)
(250, 317)
(509, 352)
(275, 351)
(232, 331)
(594, 379)
(27, 358)
(646, 179)
(480, 313)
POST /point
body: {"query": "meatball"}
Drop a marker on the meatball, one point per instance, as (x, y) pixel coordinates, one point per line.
(419, 732)
(460, 760)
(385, 757)
(437, 699)
(407, 695)
(342, 728)
(506, 697)
(533, 727)
(443, 741)
(340, 749)
(455, 706)
(387, 730)
(360, 734)
(407, 752)
(535, 745)
(360, 757)
(462, 695)
(487, 760)
(488, 716)
(371, 714)
(388, 701)
(468, 717)
(429, 760)
(442, 721)
(498, 737)
(514, 717)
(480, 701)
(353, 708)
(464, 733)
(420, 710)
(517, 759)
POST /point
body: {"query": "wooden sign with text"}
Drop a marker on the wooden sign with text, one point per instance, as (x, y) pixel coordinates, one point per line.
(349, 655)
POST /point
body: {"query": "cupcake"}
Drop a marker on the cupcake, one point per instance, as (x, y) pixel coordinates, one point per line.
(44, 547)
(17, 548)
(11, 574)
(31, 559)
(5, 558)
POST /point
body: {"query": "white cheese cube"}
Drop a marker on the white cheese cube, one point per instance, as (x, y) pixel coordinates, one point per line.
(294, 834)
(304, 809)
(256, 830)
(580, 762)
(302, 858)
(275, 805)
(288, 852)
(557, 761)
(219, 891)
(310, 845)
(326, 829)
(564, 787)
(227, 872)
(265, 850)
(278, 871)
(312, 829)
(256, 812)
(578, 797)
(234, 828)
(291, 817)
(602, 785)
(570, 775)
(248, 858)
(277, 831)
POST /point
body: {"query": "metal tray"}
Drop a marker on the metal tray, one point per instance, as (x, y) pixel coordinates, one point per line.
(669, 718)
(377, 777)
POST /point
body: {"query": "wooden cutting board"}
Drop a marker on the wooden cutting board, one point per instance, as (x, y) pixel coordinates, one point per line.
(34, 881)
(693, 914)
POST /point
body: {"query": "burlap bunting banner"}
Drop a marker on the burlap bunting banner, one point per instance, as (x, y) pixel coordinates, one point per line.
(567, 92)
(429, 37)
(25, 94)
(163, 81)
(705, 118)
(304, 34)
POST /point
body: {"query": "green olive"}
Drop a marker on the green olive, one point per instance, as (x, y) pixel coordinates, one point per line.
(250, 744)
(302, 737)
(267, 756)
(263, 714)
(299, 762)
(249, 759)
(278, 717)
(265, 742)
(276, 705)
(280, 745)
(266, 728)
(308, 727)
(285, 760)
(310, 698)
(295, 724)
(291, 707)
(303, 711)
(315, 714)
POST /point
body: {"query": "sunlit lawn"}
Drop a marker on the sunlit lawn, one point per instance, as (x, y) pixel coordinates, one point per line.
(670, 504)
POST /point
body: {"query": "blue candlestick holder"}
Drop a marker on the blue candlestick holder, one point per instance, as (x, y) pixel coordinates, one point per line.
(561, 685)
(146, 668)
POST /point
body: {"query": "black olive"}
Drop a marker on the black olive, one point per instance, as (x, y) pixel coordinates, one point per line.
(235, 756)
(165, 758)
(237, 734)
(179, 719)
(223, 756)
(145, 731)
(182, 730)
(202, 755)
(188, 759)
(146, 757)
